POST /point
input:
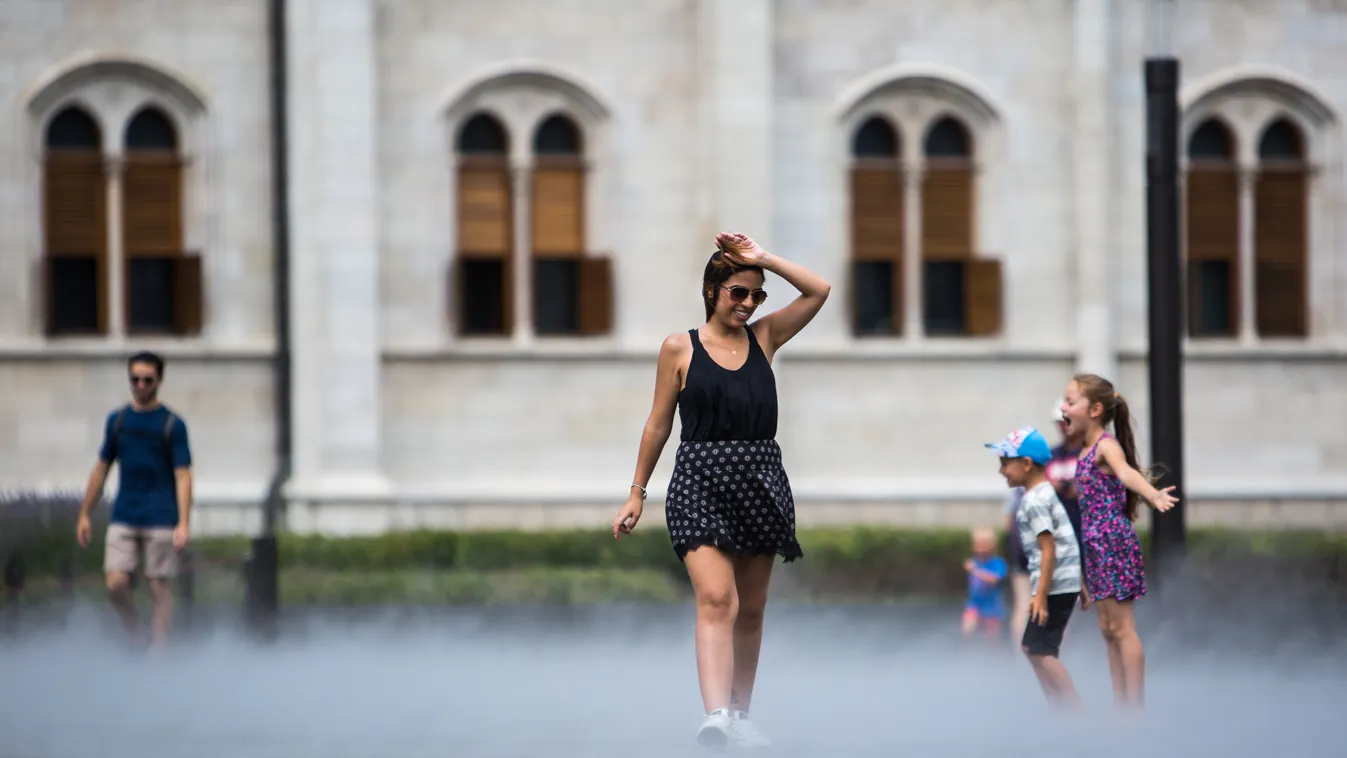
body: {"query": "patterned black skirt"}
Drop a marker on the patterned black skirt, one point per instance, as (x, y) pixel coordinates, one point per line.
(734, 496)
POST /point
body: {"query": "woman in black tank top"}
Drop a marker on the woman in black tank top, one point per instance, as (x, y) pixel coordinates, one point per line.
(729, 507)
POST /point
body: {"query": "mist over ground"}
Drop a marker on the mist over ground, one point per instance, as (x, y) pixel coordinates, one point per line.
(592, 682)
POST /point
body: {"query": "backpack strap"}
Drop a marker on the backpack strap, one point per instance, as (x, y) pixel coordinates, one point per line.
(116, 432)
(168, 438)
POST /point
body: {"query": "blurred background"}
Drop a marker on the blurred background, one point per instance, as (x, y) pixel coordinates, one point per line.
(410, 263)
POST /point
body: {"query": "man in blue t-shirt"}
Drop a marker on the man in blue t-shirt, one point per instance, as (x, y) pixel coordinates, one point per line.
(154, 497)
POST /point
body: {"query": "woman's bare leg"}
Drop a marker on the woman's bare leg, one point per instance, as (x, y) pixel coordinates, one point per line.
(752, 576)
(712, 574)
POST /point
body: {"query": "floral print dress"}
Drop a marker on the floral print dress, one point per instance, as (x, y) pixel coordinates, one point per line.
(1111, 547)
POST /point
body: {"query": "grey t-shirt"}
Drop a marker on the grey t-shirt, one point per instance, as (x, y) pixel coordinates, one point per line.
(1041, 511)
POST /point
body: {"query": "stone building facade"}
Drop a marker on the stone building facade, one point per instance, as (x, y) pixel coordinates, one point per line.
(497, 211)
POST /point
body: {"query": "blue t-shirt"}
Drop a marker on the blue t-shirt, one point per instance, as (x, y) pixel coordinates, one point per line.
(985, 597)
(147, 493)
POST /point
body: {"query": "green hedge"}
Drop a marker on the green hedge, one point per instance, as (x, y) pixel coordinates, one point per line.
(867, 549)
(589, 565)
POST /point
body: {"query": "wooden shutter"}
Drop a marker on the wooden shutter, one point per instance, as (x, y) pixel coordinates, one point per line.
(877, 214)
(558, 210)
(877, 228)
(75, 224)
(947, 214)
(187, 295)
(484, 208)
(1281, 298)
(596, 296)
(1281, 252)
(1211, 235)
(152, 204)
(1212, 218)
(74, 194)
(982, 289)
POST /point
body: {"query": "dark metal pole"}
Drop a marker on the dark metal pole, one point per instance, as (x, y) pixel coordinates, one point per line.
(261, 574)
(1165, 357)
(280, 213)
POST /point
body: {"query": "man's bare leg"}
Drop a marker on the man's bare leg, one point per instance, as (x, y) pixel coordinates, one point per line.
(161, 616)
(119, 592)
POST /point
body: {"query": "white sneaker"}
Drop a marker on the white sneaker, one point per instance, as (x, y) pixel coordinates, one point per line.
(745, 734)
(716, 729)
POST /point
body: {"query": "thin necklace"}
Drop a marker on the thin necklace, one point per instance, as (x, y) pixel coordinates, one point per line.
(722, 347)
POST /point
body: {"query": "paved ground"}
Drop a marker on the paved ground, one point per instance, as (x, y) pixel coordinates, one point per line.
(599, 682)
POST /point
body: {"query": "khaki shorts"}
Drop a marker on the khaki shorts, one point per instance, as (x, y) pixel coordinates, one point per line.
(122, 553)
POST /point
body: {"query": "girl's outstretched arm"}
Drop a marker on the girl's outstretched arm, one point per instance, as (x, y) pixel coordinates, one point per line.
(1161, 500)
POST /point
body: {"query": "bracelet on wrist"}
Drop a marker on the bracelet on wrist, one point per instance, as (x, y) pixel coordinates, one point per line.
(642, 489)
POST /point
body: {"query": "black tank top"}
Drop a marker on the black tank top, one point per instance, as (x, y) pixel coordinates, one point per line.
(718, 404)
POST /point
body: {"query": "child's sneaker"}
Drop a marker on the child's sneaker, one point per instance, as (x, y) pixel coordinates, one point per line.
(716, 729)
(745, 734)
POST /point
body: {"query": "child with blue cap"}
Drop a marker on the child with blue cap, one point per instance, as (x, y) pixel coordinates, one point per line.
(1050, 544)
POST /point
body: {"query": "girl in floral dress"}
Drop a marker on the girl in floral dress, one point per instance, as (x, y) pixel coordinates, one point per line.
(1114, 574)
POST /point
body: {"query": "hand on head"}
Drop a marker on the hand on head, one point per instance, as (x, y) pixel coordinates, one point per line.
(740, 248)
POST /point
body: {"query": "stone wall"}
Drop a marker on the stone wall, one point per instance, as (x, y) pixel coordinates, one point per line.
(698, 116)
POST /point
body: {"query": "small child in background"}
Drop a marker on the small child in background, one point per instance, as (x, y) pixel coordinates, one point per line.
(986, 570)
(1054, 558)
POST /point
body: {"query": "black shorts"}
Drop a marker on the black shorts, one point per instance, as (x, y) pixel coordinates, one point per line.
(1046, 639)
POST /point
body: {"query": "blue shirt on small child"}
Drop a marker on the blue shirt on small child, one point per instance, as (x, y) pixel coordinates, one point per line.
(983, 596)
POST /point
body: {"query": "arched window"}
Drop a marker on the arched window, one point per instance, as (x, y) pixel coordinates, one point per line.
(485, 222)
(948, 138)
(524, 230)
(151, 131)
(571, 290)
(1211, 204)
(876, 229)
(160, 297)
(1281, 233)
(557, 135)
(961, 294)
(117, 183)
(876, 138)
(75, 230)
(483, 135)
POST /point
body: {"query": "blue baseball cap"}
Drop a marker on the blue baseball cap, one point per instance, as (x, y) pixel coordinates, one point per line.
(1025, 442)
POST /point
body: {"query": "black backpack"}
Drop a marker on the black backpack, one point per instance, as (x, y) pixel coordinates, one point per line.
(168, 434)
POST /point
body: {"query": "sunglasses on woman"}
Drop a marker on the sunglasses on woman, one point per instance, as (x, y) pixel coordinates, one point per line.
(739, 294)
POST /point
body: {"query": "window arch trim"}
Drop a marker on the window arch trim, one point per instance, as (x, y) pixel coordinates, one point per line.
(968, 99)
(1251, 97)
(44, 95)
(464, 96)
